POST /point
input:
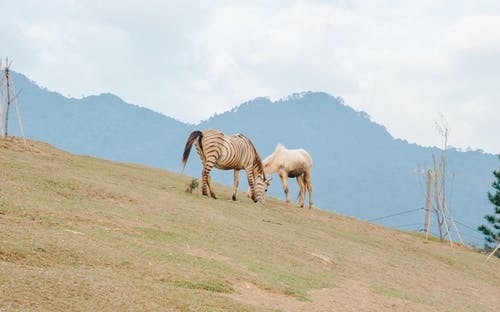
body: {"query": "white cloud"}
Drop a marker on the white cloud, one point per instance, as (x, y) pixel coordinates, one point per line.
(402, 62)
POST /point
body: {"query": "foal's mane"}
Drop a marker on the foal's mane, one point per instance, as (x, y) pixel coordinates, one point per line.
(279, 148)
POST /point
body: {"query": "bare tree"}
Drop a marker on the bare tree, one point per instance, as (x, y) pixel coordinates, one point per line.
(8, 96)
(436, 189)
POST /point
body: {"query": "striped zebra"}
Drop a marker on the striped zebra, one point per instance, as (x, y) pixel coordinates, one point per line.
(225, 152)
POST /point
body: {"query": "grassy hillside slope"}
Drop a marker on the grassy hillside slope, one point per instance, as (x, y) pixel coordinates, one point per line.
(84, 234)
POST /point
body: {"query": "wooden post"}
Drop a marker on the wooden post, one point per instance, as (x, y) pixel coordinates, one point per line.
(452, 222)
(427, 204)
(447, 226)
(2, 100)
(494, 250)
(6, 87)
(8, 100)
(18, 114)
(435, 179)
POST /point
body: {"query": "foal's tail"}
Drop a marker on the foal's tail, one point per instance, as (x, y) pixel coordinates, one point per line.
(189, 143)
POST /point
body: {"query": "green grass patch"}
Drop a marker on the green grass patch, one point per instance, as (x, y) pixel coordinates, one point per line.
(391, 292)
(159, 236)
(212, 285)
(297, 294)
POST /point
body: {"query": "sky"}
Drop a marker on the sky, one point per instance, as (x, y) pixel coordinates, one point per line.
(405, 63)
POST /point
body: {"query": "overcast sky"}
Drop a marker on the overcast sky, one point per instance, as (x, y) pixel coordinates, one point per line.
(402, 62)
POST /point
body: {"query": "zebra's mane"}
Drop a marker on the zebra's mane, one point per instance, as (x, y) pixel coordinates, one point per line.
(257, 160)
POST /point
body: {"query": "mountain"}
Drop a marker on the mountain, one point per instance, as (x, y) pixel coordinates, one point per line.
(359, 169)
(102, 126)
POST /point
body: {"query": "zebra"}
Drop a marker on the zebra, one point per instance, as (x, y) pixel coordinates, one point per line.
(228, 152)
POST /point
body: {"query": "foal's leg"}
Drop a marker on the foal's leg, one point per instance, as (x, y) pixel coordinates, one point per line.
(235, 182)
(307, 178)
(284, 181)
(302, 190)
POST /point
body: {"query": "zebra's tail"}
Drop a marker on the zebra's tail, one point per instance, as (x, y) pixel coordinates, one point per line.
(189, 143)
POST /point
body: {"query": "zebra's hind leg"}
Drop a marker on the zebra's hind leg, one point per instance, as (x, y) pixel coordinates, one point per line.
(235, 182)
(204, 181)
(205, 176)
(212, 194)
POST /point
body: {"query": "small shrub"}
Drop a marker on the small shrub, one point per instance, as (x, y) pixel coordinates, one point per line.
(191, 186)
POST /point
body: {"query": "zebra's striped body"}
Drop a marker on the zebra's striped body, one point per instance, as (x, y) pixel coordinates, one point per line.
(234, 152)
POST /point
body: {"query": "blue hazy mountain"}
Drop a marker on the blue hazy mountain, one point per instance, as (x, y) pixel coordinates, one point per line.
(359, 169)
(103, 126)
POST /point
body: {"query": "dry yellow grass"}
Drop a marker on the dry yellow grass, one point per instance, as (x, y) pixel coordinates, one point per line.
(84, 234)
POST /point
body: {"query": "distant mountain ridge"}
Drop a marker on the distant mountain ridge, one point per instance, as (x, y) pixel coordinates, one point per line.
(102, 126)
(359, 169)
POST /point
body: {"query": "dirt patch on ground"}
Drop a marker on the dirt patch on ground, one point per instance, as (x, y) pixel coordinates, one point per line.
(357, 296)
(263, 299)
(351, 296)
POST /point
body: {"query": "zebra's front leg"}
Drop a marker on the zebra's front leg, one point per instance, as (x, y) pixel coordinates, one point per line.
(251, 182)
(235, 183)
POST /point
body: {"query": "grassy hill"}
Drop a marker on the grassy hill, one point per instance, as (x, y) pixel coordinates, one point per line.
(84, 234)
(349, 150)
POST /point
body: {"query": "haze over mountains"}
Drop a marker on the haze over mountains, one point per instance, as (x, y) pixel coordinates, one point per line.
(359, 169)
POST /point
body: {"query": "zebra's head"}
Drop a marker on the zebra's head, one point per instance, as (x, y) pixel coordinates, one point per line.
(261, 185)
